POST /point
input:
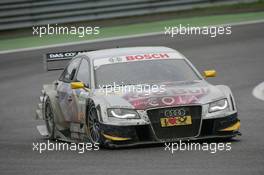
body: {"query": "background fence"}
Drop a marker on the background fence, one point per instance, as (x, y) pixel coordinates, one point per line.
(16, 14)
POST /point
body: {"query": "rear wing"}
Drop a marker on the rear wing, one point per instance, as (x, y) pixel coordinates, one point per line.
(58, 60)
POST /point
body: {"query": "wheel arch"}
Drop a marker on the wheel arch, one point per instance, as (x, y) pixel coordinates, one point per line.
(229, 95)
(51, 94)
(91, 102)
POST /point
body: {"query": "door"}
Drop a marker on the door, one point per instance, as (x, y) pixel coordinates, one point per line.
(67, 102)
(81, 95)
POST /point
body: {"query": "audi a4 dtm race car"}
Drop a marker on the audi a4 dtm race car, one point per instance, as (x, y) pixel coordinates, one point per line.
(137, 95)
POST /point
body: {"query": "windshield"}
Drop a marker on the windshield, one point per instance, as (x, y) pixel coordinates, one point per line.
(144, 72)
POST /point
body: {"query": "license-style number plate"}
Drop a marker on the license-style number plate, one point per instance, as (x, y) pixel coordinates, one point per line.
(175, 121)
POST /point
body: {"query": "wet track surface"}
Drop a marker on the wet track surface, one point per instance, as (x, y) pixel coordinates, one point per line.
(239, 61)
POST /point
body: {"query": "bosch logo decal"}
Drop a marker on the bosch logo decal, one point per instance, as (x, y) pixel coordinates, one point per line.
(147, 56)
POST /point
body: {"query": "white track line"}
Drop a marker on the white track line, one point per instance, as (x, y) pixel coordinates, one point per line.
(258, 91)
(115, 38)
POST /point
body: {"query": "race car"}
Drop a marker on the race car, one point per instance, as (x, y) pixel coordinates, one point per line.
(137, 95)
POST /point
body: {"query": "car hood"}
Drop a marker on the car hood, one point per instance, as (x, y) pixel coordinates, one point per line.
(173, 94)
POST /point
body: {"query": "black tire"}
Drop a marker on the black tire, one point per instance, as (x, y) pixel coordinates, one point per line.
(93, 126)
(49, 119)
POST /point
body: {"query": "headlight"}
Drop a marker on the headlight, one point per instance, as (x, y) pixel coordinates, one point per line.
(218, 105)
(123, 113)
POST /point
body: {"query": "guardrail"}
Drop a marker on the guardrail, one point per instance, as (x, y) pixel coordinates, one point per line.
(16, 14)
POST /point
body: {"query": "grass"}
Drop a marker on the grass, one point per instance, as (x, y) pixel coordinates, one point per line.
(107, 32)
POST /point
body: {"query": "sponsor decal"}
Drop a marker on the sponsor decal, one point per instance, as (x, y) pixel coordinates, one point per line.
(147, 56)
(176, 121)
(62, 55)
(168, 98)
(115, 59)
(138, 57)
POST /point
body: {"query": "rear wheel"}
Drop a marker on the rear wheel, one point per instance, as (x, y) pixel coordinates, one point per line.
(49, 119)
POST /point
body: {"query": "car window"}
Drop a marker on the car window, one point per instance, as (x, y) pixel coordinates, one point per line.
(83, 74)
(145, 72)
(70, 71)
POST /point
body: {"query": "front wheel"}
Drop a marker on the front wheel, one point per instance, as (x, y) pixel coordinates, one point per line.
(93, 126)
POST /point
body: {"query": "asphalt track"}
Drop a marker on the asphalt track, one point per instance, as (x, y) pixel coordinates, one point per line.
(237, 58)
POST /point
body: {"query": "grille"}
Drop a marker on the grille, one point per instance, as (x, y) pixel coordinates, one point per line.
(175, 132)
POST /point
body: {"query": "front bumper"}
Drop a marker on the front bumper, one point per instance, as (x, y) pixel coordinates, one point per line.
(224, 127)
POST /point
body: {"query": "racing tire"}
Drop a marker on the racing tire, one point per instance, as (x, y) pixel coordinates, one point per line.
(93, 127)
(49, 119)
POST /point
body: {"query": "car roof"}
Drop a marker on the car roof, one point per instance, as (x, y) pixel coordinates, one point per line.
(115, 52)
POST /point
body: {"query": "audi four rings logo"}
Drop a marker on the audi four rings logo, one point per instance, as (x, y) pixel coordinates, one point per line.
(175, 112)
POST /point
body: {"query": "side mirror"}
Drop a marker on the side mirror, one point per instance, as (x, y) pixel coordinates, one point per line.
(209, 73)
(77, 85)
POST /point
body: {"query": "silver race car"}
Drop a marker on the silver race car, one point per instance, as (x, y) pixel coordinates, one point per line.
(137, 95)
